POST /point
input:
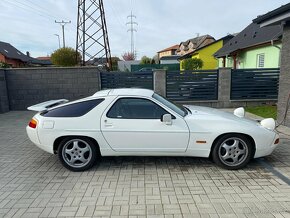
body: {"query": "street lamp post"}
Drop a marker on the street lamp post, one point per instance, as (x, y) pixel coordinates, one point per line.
(58, 40)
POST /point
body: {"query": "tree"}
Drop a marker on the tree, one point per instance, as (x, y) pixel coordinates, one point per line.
(155, 59)
(115, 63)
(66, 57)
(192, 64)
(128, 56)
(4, 65)
(145, 60)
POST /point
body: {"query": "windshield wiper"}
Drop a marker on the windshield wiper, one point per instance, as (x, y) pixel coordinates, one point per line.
(187, 109)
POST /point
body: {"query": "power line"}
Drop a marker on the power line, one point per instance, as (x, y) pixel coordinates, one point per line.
(132, 29)
(37, 9)
(115, 14)
(34, 9)
(55, 16)
(38, 6)
(25, 8)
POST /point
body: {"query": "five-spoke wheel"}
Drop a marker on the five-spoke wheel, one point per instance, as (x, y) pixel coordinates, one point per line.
(232, 151)
(77, 154)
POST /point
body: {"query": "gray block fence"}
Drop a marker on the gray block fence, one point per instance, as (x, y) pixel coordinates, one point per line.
(20, 88)
(29, 86)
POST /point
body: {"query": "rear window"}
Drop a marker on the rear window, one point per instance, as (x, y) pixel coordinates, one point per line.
(73, 110)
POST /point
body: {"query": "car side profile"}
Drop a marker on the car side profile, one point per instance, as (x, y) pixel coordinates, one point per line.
(139, 122)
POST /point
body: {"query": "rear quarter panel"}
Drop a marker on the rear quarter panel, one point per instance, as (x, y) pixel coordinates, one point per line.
(87, 125)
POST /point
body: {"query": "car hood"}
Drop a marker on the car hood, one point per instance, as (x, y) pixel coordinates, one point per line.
(211, 113)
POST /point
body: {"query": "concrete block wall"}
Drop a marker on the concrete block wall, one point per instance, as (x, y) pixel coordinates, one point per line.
(20, 88)
(4, 102)
(284, 80)
(30, 86)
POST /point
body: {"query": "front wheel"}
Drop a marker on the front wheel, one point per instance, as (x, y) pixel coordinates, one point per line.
(233, 151)
(77, 154)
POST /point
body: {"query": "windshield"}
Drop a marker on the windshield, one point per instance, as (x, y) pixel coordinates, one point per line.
(179, 110)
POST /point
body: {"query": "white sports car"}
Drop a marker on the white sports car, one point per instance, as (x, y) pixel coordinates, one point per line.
(139, 122)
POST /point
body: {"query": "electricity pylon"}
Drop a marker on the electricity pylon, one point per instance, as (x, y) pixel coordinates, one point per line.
(92, 34)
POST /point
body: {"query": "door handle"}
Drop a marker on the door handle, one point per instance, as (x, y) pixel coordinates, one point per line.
(108, 124)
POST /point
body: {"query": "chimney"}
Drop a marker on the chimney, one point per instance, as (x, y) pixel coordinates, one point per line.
(27, 54)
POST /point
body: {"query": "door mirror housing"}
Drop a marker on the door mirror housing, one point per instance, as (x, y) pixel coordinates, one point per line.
(167, 119)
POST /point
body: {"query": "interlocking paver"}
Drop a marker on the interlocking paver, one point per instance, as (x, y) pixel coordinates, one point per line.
(34, 184)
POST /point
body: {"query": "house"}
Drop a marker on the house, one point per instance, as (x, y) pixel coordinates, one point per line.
(168, 51)
(11, 56)
(195, 43)
(281, 16)
(173, 59)
(254, 47)
(15, 58)
(42, 61)
(206, 53)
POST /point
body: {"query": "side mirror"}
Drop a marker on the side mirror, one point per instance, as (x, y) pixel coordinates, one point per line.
(167, 119)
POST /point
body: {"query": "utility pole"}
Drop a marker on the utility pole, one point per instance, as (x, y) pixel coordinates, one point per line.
(58, 40)
(132, 29)
(92, 34)
(63, 23)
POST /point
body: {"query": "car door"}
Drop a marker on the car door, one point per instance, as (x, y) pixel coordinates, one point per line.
(133, 125)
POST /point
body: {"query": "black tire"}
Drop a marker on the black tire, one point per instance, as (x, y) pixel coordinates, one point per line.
(228, 151)
(77, 153)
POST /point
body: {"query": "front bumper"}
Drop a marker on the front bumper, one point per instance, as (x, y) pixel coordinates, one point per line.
(267, 150)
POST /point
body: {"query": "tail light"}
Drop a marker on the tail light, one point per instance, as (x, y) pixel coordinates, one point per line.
(32, 124)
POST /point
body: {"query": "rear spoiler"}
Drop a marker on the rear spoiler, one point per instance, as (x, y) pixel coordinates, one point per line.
(46, 105)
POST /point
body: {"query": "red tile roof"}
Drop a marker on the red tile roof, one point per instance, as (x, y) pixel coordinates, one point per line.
(174, 47)
(43, 58)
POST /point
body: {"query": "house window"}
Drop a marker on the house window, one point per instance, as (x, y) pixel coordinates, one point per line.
(260, 60)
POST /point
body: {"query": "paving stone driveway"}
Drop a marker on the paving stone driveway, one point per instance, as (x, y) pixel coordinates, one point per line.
(34, 184)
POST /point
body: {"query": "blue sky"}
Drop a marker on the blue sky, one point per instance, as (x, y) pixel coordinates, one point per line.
(29, 24)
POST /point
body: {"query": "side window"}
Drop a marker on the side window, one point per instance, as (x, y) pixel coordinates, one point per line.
(135, 108)
(260, 60)
(73, 110)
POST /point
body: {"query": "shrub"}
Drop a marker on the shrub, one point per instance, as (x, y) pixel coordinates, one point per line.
(192, 64)
(66, 57)
(4, 65)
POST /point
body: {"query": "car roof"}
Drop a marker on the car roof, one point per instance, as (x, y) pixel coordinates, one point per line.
(125, 92)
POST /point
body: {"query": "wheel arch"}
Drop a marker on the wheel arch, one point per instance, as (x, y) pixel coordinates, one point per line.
(57, 141)
(234, 133)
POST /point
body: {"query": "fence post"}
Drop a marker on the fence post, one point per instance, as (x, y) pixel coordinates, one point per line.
(224, 87)
(99, 76)
(159, 82)
(4, 102)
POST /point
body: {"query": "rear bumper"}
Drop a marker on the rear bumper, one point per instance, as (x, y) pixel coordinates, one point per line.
(33, 136)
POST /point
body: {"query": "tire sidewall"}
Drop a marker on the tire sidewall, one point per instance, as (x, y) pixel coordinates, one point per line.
(88, 165)
(215, 152)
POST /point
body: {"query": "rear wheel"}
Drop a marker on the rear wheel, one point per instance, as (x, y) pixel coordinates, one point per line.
(233, 151)
(77, 154)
